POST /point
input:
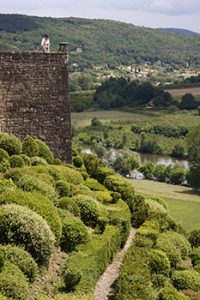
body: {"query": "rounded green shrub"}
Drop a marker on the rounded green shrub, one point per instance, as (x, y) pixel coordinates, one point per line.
(4, 165)
(89, 209)
(26, 159)
(2, 261)
(94, 185)
(187, 279)
(6, 185)
(57, 161)
(2, 297)
(10, 143)
(115, 197)
(195, 256)
(44, 151)
(159, 263)
(74, 232)
(13, 283)
(38, 203)
(62, 187)
(23, 227)
(3, 155)
(78, 161)
(142, 241)
(70, 205)
(21, 258)
(170, 293)
(84, 175)
(72, 276)
(159, 281)
(194, 238)
(16, 161)
(30, 146)
(66, 174)
(103, 172)
(38, 161)
(197, 268)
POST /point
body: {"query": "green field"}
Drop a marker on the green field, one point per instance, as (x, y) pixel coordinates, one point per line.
(183, 203)
(84, 118)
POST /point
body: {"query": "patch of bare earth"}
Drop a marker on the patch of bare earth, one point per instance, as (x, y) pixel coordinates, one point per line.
(105, 285)
(48, 279)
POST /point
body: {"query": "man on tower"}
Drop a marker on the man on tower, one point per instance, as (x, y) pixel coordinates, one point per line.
(45, 43)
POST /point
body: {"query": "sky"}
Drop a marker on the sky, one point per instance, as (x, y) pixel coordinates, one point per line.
(149, 13)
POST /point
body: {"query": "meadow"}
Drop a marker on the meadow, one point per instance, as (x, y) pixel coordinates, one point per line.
(183, 202)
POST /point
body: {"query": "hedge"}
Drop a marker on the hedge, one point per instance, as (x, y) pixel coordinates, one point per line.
(194, 238)
(70, 205)
(65, 173)
(38, 203)
(134, 281)
(170, 293)
(10, 143)
(21, 258)
(44, 151)
(13, 283)
(150, 230)
(93, 258)
(23, 227)
(94, 185)
(159, 263)
(195, 256)
(89, 209)
(73, 233)
(187, 279)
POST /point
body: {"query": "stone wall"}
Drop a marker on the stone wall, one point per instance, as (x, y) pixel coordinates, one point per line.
(34, 98)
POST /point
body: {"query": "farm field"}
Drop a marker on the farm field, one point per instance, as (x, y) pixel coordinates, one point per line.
(84, 118)
(183, 204)
(183, 91)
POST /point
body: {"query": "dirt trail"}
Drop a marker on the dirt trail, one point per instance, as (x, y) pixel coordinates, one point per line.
(104, 287)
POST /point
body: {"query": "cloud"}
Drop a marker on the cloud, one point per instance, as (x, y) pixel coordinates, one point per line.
(171, 7)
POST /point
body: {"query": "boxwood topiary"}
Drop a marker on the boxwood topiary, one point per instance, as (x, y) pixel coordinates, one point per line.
(3, 155)
(23, 227)
(194, 238)
(94, 185)
(38, 161)
(13, 283)
(10, 143)
(72, 276)
(30, 146)
(21, 258)
(62, 187)
(38, 203)
(73, 233)
(170, 293)
(44, 151)
(89, 209)
(159, 263)
(187, 279)
(16, 161)
(77, 161)
(2, 261)
(4, 165)
(70, 205)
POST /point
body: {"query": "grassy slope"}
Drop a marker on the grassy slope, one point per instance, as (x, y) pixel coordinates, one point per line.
(183, 203)
(120, 42)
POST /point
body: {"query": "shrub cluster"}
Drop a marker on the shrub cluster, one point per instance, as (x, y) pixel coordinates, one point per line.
(187, 279)
(73, 233)
(16, 161)
(170, 293)
(10, 143)
(44, 151)
(23, 227)
(21, 258)
(159, 263)
(62, 187)
(70, 205)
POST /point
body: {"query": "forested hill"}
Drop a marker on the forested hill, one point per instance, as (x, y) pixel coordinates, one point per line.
(102, 41)
(181, 31)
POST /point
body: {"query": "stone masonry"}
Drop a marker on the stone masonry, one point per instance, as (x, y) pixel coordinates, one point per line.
(34, 98)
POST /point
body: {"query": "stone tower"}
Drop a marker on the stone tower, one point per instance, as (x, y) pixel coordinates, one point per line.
(34, 98)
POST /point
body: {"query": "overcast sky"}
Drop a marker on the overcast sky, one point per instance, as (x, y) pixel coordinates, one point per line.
(148, 13)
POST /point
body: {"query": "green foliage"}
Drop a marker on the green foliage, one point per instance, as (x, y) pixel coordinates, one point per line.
(30, 146)
(65, 173)
(44, 151)
(4, 165)
(92, 164)
(135, 279)
(57, 161)
(91, 259)
(103, 173)
(38, 203)
(188, 101)
(16, 161)
(73, 233)
(37, 161)
(21, 258)
(167, 246)
(170, 293)
(23, 227)
(159, 263)
(3, 155)
(78, 161)
(195, 256)
(62, 187)
(71, 276)
(13, 283)
(149, 229)
(70, 205)
(193, 176)
(3, 297)
(187, 279)
(89, 209)
(6, 185)
(159, 281)
(139, 210)
(10, 143)
(94, 185)
(2, 262)
(194, 238)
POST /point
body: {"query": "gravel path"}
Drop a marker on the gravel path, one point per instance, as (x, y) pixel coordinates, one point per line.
(104, 287)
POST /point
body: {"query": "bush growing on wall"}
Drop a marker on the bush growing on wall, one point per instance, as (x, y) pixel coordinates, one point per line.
(23, 227)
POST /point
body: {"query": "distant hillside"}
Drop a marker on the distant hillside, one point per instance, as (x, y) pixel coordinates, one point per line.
(102, 41)
(180, 31)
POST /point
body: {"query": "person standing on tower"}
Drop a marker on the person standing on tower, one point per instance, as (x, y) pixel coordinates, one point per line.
(45, 43)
